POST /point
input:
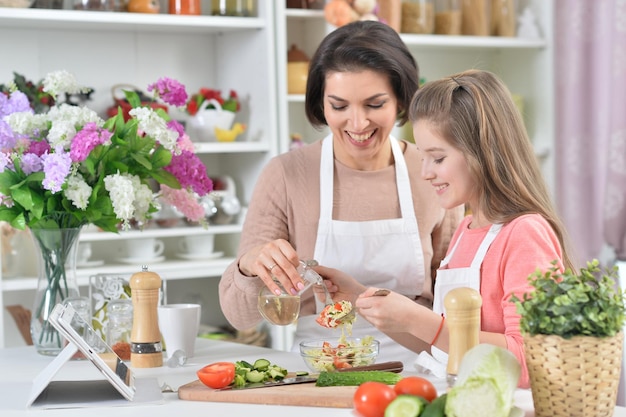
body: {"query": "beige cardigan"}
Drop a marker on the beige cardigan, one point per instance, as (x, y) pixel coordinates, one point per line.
(285, 204)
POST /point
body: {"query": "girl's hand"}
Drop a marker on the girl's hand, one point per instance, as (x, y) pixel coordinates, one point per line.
(275, 260)
(340, 285)
(390, 314)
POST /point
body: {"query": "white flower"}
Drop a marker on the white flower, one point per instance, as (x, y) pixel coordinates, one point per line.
(78, 191)
(26, 123)
(144, 199)
(63, 81)
(155, 126)
(120, 188)
(64, 119)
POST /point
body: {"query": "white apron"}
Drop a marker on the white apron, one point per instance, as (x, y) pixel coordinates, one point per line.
(447, 280)
(382, 253)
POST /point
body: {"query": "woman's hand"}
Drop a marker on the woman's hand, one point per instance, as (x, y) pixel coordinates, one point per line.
(275, 260)
(390, 314)
(340, 285)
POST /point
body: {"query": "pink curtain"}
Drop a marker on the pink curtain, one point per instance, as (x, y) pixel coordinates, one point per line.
(590, 69)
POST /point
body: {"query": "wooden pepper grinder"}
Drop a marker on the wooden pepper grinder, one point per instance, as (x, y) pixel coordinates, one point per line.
(145, 337)
(463, 320)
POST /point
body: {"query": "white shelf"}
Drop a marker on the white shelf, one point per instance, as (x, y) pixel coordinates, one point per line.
(465, 42)
(160, 232)
(231, 147)
(80, 20)
(168, 270)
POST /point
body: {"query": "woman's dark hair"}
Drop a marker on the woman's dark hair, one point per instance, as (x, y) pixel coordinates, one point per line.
(358, 46)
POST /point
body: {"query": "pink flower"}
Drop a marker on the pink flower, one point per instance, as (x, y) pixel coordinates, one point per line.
(171, 91)
(190, 172)
(184, 201)
(86, 140)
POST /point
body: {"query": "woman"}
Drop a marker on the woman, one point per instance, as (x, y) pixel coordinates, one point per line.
(475, 151)
(347, 201)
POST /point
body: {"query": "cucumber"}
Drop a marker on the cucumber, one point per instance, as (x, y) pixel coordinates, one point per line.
(261, 364)
(406, 406)
(332, 379)
(255, 376)
(436, 408)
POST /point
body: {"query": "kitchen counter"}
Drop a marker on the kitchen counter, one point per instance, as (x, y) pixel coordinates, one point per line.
(20, 365)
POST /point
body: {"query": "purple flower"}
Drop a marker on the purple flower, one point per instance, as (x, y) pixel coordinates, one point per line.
(17, 102)
(39, 147)
(31, 163)
(171, 91)
(86, 140)
(56, 167)
(190, 172)
(5, 161)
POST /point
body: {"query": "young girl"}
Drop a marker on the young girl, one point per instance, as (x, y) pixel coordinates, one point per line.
(476, 152)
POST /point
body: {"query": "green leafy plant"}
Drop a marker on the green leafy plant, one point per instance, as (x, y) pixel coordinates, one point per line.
(568, 304)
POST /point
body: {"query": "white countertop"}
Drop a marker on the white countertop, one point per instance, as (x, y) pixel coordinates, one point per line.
(20, 365)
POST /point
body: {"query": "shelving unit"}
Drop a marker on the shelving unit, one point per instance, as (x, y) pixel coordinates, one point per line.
(525, 65)
(103, 49)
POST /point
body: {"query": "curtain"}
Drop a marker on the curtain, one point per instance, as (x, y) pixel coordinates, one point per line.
(590, 72)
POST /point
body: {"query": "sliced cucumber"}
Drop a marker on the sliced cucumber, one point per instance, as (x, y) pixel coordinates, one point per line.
(255, 376)
(405, 406)
(301, 373)
(261, 364)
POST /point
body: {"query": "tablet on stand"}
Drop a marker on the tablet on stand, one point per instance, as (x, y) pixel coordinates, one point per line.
(119, 385)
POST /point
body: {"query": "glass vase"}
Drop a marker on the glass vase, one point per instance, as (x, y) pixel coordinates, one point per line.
(56, 251)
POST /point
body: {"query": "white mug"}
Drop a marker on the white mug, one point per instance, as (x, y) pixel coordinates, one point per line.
(148, 248)
(179, 325)
(197, 245)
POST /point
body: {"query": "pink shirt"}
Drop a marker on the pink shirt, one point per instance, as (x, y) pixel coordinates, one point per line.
(522, 246)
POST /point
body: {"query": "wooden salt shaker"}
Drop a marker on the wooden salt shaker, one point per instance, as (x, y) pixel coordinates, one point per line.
(463, 320)
(146, 350)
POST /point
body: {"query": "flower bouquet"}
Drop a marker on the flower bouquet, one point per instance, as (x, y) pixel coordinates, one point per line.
(66, 167)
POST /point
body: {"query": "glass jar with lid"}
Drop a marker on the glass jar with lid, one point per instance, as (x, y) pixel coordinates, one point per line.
(448, 17)
(284, 308)
(476, 20)
(418, 16)
(119, 327)
(243, 8)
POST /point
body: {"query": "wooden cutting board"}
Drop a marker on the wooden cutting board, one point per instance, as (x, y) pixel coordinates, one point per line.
(298, 394)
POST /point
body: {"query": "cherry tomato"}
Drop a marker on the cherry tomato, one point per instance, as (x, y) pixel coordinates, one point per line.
(217, 375)
(371, 398)
(415, 385)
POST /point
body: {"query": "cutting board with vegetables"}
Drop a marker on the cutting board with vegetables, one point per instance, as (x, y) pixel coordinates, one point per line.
(300, 395)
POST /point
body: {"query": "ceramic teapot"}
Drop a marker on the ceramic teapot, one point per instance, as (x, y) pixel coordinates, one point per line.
(202, 125)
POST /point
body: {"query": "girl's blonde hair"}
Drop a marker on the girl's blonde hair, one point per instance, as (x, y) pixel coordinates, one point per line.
(474, 111)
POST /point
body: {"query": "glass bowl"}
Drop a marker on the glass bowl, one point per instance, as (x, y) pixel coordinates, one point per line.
(322, 355)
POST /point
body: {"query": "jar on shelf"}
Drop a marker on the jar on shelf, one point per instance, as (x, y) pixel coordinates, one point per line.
(448, 17)
(418, 16)
(476, 17)
(503, 18)
(242, 8)
(185, 7)
(119, 327)
(94, 5)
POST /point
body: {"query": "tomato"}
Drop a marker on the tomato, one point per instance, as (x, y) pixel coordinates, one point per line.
(371, 398)
(415, 385)
(217, 375)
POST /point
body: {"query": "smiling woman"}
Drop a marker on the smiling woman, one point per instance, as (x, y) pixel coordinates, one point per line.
(349, 201)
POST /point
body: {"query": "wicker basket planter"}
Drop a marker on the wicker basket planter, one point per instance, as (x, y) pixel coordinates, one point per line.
(574, 377)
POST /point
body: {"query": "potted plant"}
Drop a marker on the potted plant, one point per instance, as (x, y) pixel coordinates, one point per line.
(572, 327)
